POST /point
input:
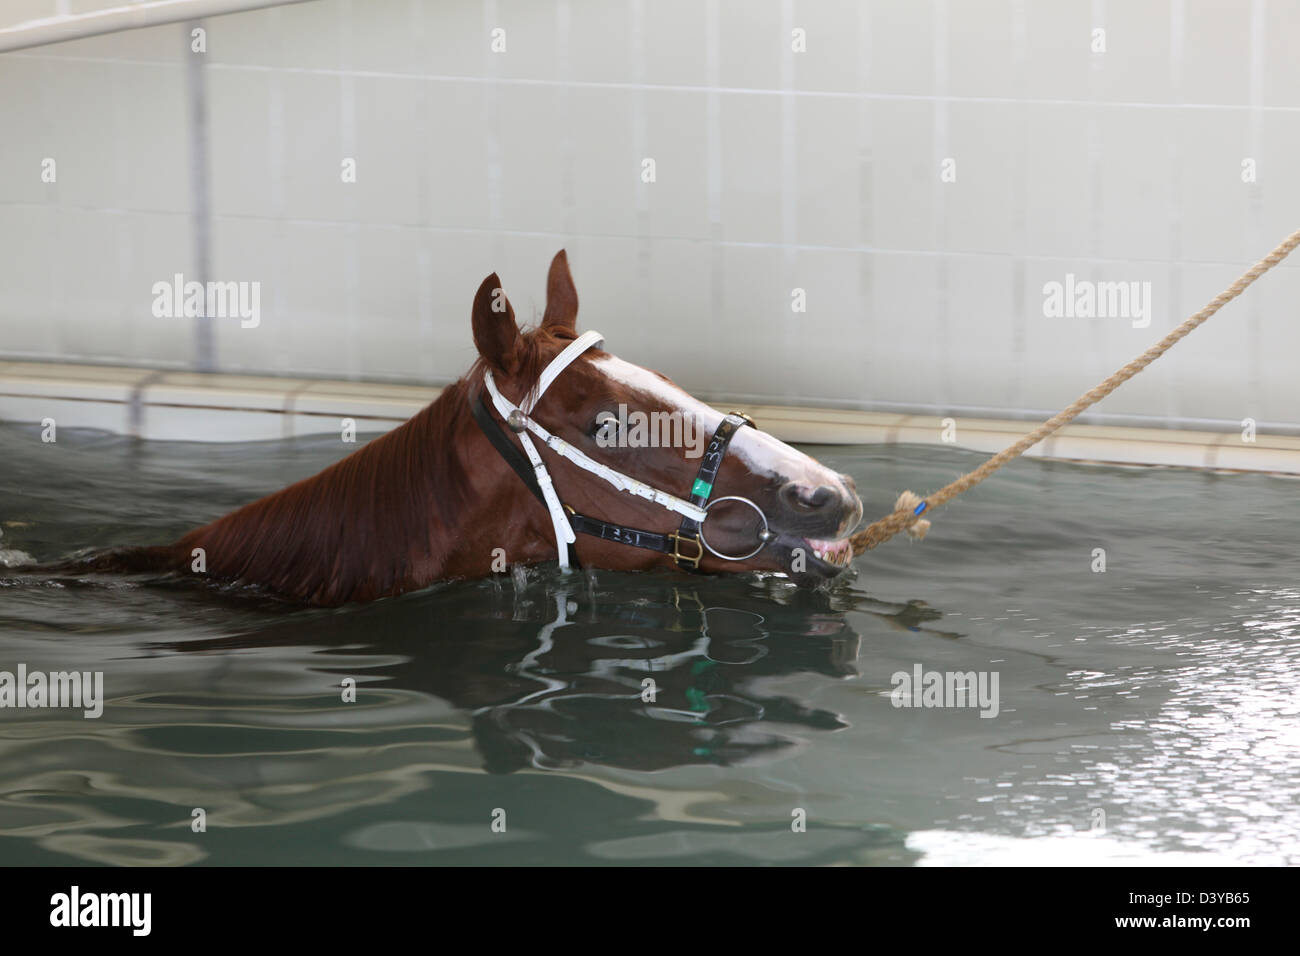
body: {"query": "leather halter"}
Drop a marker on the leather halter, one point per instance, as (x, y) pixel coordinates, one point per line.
(686, 545)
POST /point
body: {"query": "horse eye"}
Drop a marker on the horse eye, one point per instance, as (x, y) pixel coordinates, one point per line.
(606, 423)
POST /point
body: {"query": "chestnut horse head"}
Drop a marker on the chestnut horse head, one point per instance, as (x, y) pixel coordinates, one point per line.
(549, 448)
(629, 470)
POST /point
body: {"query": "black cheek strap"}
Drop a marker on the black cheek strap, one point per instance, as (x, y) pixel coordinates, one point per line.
(684, 544)
(687, 548)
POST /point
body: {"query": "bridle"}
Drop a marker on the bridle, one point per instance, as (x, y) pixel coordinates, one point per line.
(686, 545)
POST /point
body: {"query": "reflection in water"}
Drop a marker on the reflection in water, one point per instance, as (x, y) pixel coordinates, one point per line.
(1159, 695)
(662, 681)
(622, 672)
(648, 675)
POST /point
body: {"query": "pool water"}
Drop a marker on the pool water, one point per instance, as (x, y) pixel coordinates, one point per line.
(1147, 713)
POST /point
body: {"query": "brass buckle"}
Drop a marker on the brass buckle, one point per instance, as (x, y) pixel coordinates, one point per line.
(677, 539)
(748, 421)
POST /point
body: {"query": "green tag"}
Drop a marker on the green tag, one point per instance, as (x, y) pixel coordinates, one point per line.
(701, 487)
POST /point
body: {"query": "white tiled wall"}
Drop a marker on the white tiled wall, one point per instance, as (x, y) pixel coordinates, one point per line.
(776, 170)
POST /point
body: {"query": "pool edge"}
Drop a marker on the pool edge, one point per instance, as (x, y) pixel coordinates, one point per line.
(161, 405)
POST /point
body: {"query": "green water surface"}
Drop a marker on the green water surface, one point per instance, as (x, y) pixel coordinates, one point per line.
(1149, 713)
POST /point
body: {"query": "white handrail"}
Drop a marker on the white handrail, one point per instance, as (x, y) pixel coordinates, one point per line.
(75, 26)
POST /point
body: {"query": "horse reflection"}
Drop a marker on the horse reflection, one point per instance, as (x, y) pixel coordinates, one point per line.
(654, 685)
(645, 676)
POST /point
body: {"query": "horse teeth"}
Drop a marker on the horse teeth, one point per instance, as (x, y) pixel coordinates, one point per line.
(837, 553)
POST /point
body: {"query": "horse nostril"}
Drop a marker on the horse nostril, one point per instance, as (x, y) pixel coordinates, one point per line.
(806, 498)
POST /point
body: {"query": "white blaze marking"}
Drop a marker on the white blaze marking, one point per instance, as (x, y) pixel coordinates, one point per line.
(760, 452)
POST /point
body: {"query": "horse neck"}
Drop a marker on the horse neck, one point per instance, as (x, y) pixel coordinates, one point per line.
(385, 519)
(464, 508)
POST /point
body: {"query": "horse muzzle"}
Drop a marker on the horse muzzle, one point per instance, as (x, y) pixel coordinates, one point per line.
(812, 537)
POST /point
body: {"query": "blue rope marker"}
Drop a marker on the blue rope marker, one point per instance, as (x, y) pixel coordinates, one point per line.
(919, 508)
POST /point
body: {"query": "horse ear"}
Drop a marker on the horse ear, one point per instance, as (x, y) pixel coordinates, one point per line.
(495, 333)
(561, 296)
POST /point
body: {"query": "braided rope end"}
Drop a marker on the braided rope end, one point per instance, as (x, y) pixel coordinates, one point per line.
(909, 502)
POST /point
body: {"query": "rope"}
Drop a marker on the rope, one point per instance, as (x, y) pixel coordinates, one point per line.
(906, 515)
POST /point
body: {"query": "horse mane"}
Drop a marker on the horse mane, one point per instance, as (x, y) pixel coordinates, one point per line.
(374, 524)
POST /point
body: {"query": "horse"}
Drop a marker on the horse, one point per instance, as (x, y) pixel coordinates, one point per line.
(523, 461)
